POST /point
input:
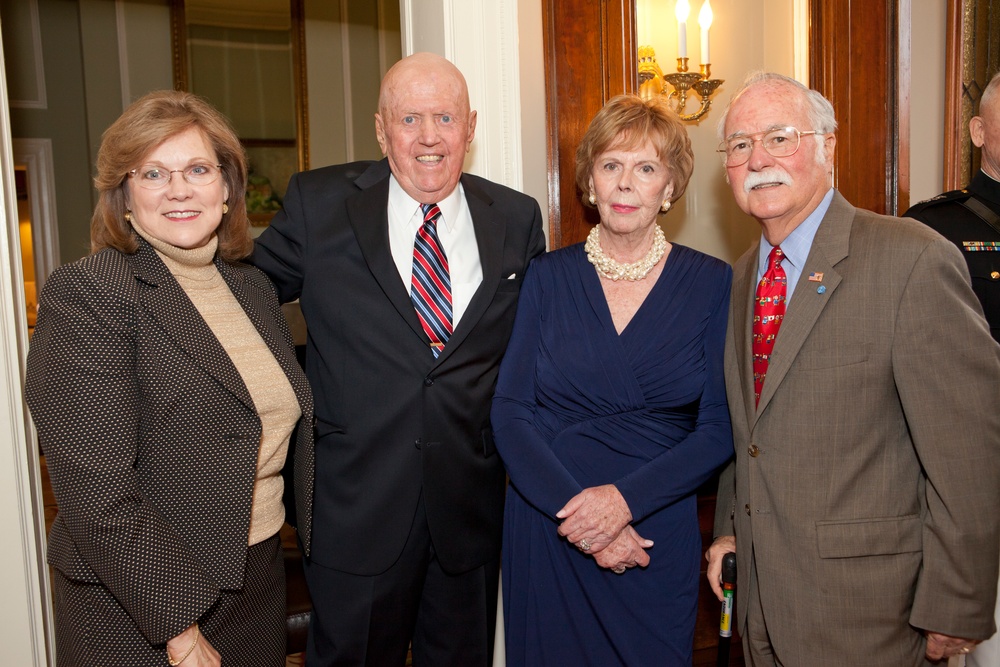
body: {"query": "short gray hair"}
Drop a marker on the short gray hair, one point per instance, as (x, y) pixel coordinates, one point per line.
(988, 97)
(821, 114)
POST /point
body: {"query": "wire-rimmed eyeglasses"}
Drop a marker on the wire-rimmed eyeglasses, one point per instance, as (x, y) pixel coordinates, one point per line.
(156, 177)
(779, 142)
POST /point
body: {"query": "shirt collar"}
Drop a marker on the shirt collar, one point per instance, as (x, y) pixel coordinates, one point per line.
(400, 201)
(797, 245)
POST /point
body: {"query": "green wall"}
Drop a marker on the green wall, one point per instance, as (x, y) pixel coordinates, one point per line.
(64, 121)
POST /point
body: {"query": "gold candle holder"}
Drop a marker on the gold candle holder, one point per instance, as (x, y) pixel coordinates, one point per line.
(652, 81)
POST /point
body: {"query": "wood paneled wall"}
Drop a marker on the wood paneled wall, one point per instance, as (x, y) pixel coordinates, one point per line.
(859, 59)
(589, 58)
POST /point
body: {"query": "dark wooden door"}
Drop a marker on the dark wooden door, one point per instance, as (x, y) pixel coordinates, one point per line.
(589, 58)
(859, 59)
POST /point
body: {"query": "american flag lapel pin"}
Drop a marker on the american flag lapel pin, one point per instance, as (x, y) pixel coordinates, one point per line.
(816, 276)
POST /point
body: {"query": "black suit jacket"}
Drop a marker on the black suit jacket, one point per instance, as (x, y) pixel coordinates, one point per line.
(948, 216)
(150, 435)
(393, 422)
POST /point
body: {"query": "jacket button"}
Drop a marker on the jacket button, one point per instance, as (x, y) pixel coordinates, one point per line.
(995, 275)
(753, 450)
(428, 381)
(418, 443)
(747, 508)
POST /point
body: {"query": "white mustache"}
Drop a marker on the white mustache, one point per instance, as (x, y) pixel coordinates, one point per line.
(770, 175)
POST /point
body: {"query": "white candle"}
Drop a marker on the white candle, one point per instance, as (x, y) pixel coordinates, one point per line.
(705, 21)
(681, 10)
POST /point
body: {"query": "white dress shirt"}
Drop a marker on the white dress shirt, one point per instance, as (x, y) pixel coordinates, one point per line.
(456, 234)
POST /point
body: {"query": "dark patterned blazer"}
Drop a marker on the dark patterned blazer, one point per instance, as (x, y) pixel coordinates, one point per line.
(149, 433)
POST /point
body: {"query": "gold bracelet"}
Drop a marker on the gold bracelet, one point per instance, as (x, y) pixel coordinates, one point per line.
(197, 636)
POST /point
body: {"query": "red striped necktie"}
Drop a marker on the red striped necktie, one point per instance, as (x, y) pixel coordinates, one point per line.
(768, 312)
(430, 285)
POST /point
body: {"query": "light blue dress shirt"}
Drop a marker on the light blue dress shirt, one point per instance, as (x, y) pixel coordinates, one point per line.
(795, 248)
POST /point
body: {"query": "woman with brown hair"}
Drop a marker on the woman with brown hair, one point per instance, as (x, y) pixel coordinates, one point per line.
(163, 382)
(610, 411)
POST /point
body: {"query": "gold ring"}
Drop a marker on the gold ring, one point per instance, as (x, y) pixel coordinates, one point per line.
(964, 650)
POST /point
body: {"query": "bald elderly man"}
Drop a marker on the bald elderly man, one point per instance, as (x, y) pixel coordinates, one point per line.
(408, 273)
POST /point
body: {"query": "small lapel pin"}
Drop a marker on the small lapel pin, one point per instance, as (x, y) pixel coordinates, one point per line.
(821, 289)
(512, 276)
(816, 277)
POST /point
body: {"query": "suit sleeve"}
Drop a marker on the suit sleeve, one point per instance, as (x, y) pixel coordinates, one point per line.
(725, 501)
(947, 371)
(725, 497)
(84, 395)
(279, 250)
(534, 470)
(680, 470)
(536, 241)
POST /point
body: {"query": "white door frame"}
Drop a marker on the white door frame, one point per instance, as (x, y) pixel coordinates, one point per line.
(36, 156)
(24, 612)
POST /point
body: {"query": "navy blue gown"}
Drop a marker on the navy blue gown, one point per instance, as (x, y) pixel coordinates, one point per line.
(578, 405)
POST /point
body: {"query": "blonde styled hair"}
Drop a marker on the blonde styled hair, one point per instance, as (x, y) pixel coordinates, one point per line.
(628, 122)
(145, 124)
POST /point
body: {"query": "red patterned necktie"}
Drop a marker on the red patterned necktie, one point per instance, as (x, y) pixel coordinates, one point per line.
(430, 284)
(768, 311)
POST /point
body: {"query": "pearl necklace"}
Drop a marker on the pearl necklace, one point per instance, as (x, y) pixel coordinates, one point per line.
(611, 269)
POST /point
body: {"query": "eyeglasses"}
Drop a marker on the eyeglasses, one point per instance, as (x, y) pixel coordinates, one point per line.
(781, 142)
(154, 177)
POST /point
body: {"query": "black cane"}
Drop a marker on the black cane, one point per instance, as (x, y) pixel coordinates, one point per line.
(726, 622)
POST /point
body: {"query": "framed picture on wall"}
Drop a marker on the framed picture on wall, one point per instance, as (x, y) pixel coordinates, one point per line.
(247, 59)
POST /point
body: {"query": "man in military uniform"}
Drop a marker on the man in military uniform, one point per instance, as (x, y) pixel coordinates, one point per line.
(970, 218)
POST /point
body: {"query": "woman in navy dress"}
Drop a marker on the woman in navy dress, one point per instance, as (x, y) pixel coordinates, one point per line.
(610, 412)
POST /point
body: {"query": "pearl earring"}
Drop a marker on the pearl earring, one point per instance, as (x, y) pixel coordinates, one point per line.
(592, 199)
(666, 206)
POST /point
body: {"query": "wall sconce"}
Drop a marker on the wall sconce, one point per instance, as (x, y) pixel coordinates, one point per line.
(652, 80)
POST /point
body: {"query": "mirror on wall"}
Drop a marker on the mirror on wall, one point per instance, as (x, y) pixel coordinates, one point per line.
(247, 58)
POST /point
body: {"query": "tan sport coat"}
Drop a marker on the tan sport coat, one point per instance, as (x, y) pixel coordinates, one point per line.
(866, 502)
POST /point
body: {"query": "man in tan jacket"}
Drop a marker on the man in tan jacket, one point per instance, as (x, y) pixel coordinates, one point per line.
(866, 420)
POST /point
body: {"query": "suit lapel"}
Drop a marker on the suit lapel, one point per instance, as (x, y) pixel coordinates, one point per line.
(829, 247)
(166, 303)
(490, 238)
(368, 214)
(255, 304)
(367, 211)
(744, 288)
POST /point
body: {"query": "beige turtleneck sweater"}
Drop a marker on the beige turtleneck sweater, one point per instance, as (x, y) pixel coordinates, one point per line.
(272, 394)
